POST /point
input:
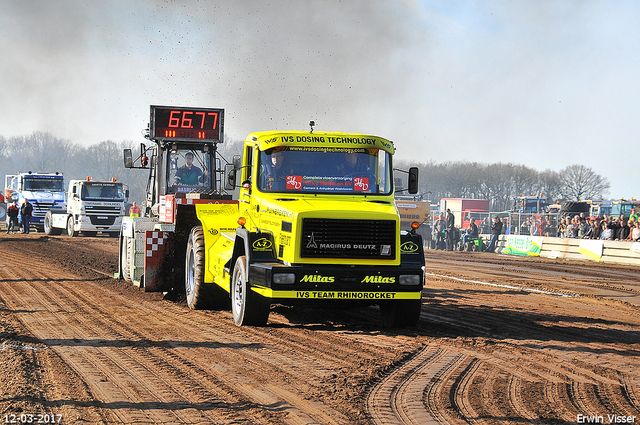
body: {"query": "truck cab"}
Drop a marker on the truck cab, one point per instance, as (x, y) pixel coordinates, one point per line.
(43, 190)
(531, 204)
(92, 206)
(318, 214)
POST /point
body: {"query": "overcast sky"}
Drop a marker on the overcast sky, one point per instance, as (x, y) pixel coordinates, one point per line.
(541, 83)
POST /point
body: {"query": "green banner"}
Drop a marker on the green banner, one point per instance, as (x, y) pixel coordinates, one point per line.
(523, 245)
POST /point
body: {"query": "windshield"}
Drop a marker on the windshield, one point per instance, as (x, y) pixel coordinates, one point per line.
(188, 170)
(95, 191)
(622, 209)
(50, 183)
(326, 170)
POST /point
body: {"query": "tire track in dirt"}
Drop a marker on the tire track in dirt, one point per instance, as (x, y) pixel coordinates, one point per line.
(113, 376)
(504, 356)
(398, 399)
(603, 281)
(508, 374)
(134, 378)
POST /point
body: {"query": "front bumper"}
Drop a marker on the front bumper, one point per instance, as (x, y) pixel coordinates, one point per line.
(365, 283)
(98, 223)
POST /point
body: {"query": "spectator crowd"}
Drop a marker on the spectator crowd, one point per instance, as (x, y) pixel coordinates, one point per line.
(603, 228)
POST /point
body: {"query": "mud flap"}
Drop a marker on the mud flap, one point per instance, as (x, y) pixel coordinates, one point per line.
(156, 248)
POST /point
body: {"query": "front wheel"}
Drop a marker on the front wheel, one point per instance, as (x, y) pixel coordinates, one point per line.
(401, 313)
(70, 227)
(48, 225)
(249, 308)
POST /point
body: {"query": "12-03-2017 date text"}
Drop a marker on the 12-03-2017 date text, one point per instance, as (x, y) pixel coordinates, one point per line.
(30, 418)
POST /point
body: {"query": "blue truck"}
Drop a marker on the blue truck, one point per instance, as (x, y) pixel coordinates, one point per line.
(43, 190)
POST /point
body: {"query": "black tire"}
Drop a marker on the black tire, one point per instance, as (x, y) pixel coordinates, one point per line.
(400, 313)
(114, 234)
(574, 208)
(48, 226)
(70, 230)
(200, 295)
(248, 307)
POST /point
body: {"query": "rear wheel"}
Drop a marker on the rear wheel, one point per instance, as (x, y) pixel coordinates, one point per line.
(400, 313)
(70, 227)
(124, 261)
(249, 308)
(130, 259)
(200, 295)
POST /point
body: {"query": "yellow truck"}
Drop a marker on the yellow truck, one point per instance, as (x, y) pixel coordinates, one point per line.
(315, 221)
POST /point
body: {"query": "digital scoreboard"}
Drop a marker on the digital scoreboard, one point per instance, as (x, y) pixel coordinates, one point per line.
(186, 124)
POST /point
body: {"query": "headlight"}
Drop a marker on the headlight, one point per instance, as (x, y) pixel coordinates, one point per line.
(287, 278)
(410, 279)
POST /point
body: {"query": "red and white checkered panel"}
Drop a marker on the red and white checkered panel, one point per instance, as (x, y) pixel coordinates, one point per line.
(155, 245)
(154, 240)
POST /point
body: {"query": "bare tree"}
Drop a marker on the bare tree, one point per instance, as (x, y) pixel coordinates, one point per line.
(39, 152)
(551, 183)
(580, 183)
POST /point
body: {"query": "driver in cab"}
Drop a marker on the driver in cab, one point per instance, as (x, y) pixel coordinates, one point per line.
(277, 171)
(352, 165)
(189, 174)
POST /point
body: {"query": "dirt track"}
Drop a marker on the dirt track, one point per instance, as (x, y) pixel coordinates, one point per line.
(75, 342)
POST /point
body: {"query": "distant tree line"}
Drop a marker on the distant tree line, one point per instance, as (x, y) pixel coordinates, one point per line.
(502, 183)
(499, 183)
(43, 152)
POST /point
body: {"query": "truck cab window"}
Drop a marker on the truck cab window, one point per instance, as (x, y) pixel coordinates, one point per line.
(324, 170)
(188, 170)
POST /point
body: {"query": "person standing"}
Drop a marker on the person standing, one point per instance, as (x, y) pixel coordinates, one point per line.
(451, 223)
(12, 213)
(26, 210)
(496, 229)
(440, 227)
(134, 210)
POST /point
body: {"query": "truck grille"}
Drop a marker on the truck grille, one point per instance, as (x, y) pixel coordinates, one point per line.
(335, 238)
(102, 220)
(102, 209)
(40, 208)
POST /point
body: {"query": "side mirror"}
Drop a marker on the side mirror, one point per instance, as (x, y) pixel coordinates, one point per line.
(128, 159)
(237, 161)
(126, 193)
(413, 180)
(229, 176)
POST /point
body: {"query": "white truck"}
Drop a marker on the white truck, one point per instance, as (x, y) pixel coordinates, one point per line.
(43, 190)
(92, 206)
